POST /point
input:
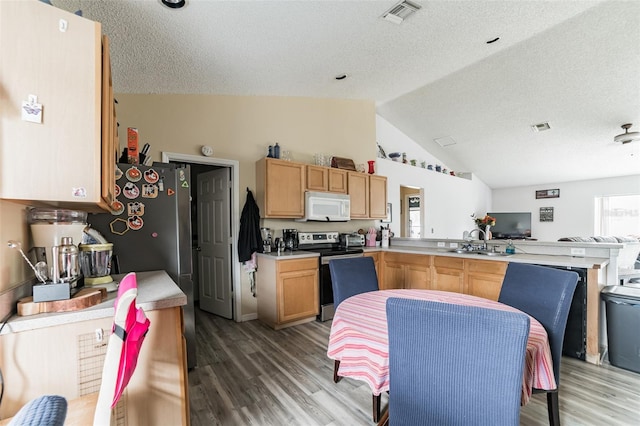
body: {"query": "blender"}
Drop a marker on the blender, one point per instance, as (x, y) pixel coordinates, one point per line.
(49, 226)
(95, 263)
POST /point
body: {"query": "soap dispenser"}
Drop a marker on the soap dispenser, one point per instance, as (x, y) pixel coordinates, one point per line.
(511, 249)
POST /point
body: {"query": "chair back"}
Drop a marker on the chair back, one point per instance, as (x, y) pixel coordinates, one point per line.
(352, 276)
(546, 295)
(130, 326)
(454, 364)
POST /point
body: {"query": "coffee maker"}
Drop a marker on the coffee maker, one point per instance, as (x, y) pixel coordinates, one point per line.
(266, 239)
(290, 237)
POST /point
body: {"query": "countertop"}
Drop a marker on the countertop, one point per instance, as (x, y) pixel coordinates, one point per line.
(156, 290)
(286, 255)
(541, 259)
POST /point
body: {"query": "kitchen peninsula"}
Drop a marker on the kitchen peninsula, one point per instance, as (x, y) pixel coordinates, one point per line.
(63, 353)
(432, 264)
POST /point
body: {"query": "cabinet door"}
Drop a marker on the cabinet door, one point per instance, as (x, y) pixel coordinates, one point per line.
(417, 271)
(298, 295)
(57, 160)
(447, 274)
(377, 197)
(484, 278)
(359, 193)
(280, 188)
(317, 178)
(337, 181)
(393, 275)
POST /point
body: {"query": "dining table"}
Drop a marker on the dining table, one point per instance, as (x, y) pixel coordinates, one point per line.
(359, 338)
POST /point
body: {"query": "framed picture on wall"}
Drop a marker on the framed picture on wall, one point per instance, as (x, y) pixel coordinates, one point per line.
(388, 218)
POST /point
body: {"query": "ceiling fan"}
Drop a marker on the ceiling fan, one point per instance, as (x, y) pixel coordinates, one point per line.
(627, 136)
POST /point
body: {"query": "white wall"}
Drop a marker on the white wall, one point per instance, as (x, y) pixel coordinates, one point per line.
(449, 201)
(573, 213)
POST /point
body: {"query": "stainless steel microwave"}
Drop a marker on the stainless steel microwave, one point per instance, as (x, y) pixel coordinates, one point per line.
(326, 207)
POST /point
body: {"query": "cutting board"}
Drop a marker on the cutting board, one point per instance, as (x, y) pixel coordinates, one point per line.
(84, 298)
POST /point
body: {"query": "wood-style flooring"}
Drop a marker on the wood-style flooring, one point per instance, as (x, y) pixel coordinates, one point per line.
(249, 374)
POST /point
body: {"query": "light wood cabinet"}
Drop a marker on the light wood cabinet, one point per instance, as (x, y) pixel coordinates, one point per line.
(326, 179)
(483, 278)
(280, 187)
(338, 181)
(317, 178)
(358, 187)
(402, 270)
(287, 291)
(61, 160)
(447, 274)
(377, 197)
(72, 362)
(368, 195)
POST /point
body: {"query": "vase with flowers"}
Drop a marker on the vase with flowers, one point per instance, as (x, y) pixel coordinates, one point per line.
(485, 223)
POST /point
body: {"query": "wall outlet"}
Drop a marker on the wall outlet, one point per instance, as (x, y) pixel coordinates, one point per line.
(453, 245)
(441, 244)
(578, 251)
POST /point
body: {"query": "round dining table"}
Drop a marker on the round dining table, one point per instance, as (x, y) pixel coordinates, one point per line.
(359, 338)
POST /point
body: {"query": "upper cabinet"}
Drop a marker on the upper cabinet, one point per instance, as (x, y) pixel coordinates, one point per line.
(280, 188)
(368, 196)
(64, 155)
(326, 179)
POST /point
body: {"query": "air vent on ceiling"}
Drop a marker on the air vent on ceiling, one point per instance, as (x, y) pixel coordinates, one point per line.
(400, 11)
(540, 127)
(445, 141)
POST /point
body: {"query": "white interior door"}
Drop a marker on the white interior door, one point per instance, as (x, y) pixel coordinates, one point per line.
(215, 242)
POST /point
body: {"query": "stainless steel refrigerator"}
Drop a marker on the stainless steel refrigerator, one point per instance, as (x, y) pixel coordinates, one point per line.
(151, 229)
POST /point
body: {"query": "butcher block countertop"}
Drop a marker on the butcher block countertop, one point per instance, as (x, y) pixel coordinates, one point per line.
(156, 290)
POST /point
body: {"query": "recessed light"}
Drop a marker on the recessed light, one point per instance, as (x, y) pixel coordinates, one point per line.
(540, 127)
(341, 76)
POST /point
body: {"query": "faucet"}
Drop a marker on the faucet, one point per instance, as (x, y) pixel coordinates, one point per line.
(484, 236)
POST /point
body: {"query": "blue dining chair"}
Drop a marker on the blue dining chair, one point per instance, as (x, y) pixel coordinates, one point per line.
(454, 365)
(46, 410)
(545, 294)
(351, 276)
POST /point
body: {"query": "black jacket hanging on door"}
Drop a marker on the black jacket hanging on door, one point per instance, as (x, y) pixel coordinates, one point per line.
(249, 238)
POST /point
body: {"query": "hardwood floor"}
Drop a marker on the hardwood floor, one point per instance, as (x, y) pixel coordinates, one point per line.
(249, 374)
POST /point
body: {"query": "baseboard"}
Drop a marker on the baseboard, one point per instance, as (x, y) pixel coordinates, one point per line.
(249, 317)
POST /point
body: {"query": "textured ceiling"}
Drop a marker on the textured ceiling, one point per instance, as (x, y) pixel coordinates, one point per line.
(575, 64)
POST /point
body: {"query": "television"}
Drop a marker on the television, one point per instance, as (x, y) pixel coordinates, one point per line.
(514, 226)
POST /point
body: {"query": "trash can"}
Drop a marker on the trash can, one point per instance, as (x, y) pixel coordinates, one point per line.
(623, 316)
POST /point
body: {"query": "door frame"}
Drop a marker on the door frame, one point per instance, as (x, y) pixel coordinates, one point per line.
(235, 214)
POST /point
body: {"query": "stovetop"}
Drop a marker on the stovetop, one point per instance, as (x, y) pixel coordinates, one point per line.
(334, 251)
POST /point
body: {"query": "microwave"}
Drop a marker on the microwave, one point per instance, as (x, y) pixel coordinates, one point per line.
(326, 207)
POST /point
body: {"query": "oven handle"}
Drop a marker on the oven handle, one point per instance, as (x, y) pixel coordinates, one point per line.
(325, 259)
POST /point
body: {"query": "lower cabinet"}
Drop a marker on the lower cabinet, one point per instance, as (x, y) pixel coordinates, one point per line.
(483, 278)
(402, 270)
(447, 274)
(67, 360)
(287, 291)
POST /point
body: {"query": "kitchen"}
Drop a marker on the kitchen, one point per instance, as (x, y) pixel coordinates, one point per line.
(354, 130)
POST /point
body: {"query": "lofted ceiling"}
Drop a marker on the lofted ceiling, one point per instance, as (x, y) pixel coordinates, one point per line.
(574, 64)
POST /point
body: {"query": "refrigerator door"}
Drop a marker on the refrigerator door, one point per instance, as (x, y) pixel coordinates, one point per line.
(152, 230)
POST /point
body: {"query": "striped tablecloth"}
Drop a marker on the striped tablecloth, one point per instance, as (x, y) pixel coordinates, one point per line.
(359, 338)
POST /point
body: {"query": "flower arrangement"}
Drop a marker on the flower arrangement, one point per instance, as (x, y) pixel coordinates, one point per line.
(484, 221)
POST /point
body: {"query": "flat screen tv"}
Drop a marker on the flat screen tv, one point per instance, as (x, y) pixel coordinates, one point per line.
(513, 226)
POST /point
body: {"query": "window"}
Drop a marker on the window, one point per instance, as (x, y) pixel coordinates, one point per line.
(617, 215)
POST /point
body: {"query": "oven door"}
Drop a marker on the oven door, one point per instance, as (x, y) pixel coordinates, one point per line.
(326, 291)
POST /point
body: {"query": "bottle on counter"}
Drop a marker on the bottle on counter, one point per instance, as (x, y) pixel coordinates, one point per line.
(511, 249)
(276, 151)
